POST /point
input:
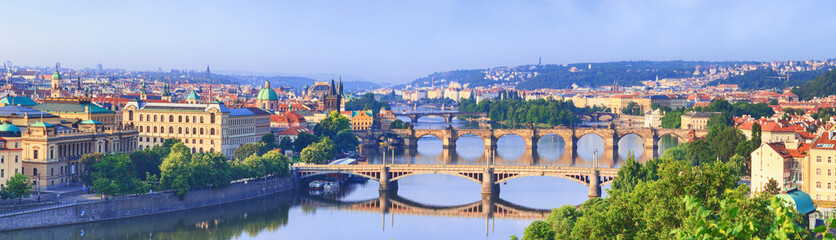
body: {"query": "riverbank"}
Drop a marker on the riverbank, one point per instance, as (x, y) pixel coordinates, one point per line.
(140, 206)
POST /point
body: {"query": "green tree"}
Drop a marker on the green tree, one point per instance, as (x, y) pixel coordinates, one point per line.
(303, 140)
(248, 149)
(756, 135)
(118, 170)
(106, 186)
(773, 102)
(19, 186)
(319, 153)
(256, 166)
(210, 169)
(331, 125)
(269, 141)
(700, 151)
(744, 148)
(345, 141)
(772, 188)
(146, 161)
(672, 119)
(286, 143)
(397, 124)
(724, 140)
(176, 172)
(539, 230)
(277, 163)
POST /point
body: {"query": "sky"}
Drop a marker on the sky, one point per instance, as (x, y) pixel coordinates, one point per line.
(399, 41)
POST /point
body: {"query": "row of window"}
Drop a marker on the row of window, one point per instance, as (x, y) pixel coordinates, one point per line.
(818, 159)
(148, 129)
(3, 172)
(193, 141)
(3, 159)
(161, 118)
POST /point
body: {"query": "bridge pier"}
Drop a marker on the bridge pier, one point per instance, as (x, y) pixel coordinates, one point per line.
(488, 185)
(594, 186)
(385, 183)
(448, 118)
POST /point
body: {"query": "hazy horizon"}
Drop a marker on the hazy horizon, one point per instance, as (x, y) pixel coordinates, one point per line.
(396, 42)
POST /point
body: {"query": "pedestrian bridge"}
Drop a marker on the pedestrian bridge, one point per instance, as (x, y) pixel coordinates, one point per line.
(490, 176)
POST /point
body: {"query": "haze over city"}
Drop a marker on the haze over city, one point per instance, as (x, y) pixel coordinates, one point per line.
(383, 41)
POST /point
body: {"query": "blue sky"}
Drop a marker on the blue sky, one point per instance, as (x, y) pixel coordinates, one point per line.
(398, 41)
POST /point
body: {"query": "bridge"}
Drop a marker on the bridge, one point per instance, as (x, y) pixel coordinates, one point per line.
(489, 176)
(447, 115)
(387, 202)
(598, 116)
(611, 136)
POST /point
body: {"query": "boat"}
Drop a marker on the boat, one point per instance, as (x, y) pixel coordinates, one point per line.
(329, 185)
(316, 185)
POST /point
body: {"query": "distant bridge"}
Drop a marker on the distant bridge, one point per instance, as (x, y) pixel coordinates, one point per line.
(490, 176)
(531, 136)
(447, 115)
(387, 202)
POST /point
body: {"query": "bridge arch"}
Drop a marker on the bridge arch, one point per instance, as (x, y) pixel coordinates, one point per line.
(679, 138)
(621, 137)
(575, 178)
(370, 176)
(475, 177)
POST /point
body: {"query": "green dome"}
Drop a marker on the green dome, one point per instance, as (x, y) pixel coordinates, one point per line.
(267, 94)
(91, 122)
(193, 95)
(8, 127)
(56, 76)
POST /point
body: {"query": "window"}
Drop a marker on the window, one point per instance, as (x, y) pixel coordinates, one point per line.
(212, 118)
(194, 130)
(201, 119)
(2, 173)
(148, 129)
(2, 159)
(818, 184)
(130, 115)
(15, 159)
(187, 129)
(171, 118)
(194, 119)
(35, 154)
(180, 130)
(818, 158)
(170, 129)
(155, 129)
(201, 131)
(187, 118)
(141, 118)
(34, 172)
(52, 171)
(155, 118)
(211, 131)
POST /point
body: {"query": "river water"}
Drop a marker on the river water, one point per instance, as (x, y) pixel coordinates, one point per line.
(429, 206)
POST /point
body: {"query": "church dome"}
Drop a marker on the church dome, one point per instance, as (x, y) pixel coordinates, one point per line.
(8, 127)
(56, 76)
(267, 93)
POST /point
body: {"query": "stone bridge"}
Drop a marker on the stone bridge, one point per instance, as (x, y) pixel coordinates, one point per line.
(447, 115)
(489, 176)
(598, 116)
(531, 136)
(387, 202)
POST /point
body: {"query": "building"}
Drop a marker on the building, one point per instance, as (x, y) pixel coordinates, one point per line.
(653, 118)
(774, 160)
(770, 130)
(202, 127)
(318, 91)
(17, 101)
(695, 120)
(333, 100)
(360, 120)
(820, 169)
(267, 98)
(78, 109)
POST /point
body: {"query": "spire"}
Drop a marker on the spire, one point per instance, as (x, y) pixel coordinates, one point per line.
(340, 86)
(333, 87)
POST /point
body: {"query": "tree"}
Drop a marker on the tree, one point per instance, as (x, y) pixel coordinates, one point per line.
(744, 148)
(718, 119)
(773, 102)
(772, 188)
(303, 140)
(19, 186)
(210, 169)
(345, 141)
(331, 125)
(176, 172)
(672, 119)
(398, 124)
(633, 108)
(319, 153)
(87, 160)
(269, 141)
(539, 230)
(116, 173)
(756, 135)
(256, 166)
(286, 143)
(277, 163)
(724, 140)
(248, 149)
(146, 161)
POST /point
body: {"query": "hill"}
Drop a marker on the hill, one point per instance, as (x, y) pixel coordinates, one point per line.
(768, 79)
(625, 73)
(821, 86)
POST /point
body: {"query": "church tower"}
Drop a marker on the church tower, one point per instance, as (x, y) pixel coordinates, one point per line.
(55, 89)
(333, 100)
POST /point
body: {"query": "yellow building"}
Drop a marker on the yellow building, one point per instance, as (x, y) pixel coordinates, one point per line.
(360, 120)
(78, 109)
(202, 127)
(779, 161)
(695, 120)
(822, 169)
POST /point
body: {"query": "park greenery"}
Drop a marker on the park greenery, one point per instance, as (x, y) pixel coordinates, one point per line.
(398, 124)
(173, 166)
(672, 117)
(515, 111)
(633, 109)
(18, 186)
(671, 198)
(768, 79)
(821, 86)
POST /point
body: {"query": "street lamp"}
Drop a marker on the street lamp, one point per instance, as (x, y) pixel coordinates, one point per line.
(38, 185)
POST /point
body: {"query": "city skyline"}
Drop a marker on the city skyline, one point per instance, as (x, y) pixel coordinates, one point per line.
(399, 42)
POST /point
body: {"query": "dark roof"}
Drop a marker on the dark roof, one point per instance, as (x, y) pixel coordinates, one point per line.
(19, 100)
(70, 107)
(9, 111)
(259, 111)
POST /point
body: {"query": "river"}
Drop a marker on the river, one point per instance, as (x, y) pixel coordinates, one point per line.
(429, 206)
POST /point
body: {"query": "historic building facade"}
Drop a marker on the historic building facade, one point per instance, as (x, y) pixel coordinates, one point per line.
(202, 127)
